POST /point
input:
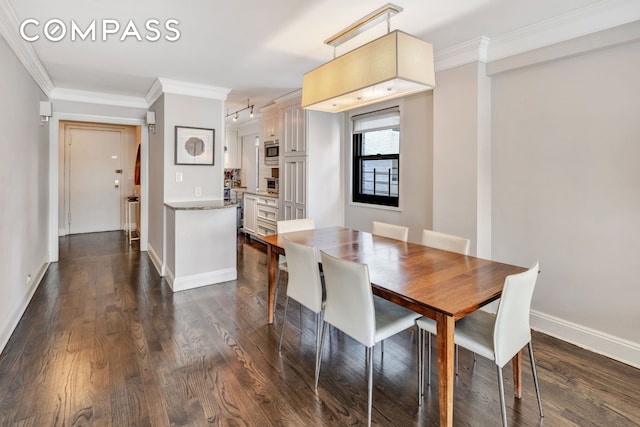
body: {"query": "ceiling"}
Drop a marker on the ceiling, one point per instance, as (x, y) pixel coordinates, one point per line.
(258, 49)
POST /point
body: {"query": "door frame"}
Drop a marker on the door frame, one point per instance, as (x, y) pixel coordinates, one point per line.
(54, 173)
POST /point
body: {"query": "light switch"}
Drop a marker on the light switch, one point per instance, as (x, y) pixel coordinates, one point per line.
(178, 176)
(198, 191)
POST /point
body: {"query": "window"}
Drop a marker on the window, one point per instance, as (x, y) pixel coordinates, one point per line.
(376, 157)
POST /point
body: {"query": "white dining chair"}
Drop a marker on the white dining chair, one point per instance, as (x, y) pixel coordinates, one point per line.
(289, 226)
(501, 336)
(304, 286)
(352, 308)
(391, 231)
(446, 242)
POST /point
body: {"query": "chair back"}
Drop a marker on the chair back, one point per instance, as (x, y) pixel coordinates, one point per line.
(349, 305)
(305, 284)
(512, 330)
(391, 231)
(291, 225)
(446, 242)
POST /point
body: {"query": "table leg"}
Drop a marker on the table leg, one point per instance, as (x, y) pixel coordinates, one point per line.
(445, 326)
(517, 374)
(272, 266)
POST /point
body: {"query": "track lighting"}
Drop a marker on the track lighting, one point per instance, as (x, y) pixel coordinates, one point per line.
(235, 113)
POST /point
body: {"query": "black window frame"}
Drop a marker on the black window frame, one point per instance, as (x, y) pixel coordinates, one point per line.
(358, 159)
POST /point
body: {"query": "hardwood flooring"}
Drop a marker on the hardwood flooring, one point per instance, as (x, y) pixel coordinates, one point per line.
(105, 342)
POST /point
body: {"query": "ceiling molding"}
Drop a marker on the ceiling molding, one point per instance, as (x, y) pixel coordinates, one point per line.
(164, 85)
(9, 25)
(63, 94)
(587, 20)
(464, 53)
(598, 17)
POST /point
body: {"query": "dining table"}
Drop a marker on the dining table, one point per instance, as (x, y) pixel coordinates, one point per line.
(444, 286)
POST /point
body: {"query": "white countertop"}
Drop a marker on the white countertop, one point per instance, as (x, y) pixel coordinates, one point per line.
(200, 205)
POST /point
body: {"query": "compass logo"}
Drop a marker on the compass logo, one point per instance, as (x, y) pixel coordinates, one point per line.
(55, 30)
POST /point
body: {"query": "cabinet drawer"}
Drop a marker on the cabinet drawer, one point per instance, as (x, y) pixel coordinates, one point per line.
(265, 228)
(267, 201)
(267, 213)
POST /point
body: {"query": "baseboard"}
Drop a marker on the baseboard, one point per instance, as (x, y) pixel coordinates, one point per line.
(155, 260)
(599, 342)
(198, 280)
(22, 307)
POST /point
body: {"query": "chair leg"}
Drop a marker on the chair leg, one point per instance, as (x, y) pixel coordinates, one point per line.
(275, 297)
(318, 334)
(503, 406)
(370, 384)
(420, 365)
(319, 358)
(535, 377)
(456, 359)
(284, 321)
(429, 360)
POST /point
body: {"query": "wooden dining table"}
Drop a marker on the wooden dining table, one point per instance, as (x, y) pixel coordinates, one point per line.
(444, 286)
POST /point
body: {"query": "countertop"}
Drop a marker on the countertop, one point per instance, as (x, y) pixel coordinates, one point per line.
(257, 193)
(201, 205)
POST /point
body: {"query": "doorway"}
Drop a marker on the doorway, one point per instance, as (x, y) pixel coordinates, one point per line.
(97, 168)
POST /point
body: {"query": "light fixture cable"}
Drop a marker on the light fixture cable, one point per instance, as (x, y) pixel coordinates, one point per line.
(235, 114)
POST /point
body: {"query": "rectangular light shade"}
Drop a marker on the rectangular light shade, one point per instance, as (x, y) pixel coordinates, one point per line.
(151, 118)
(396, 64)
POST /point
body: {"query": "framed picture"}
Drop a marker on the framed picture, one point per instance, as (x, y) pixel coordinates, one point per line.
(194, 146)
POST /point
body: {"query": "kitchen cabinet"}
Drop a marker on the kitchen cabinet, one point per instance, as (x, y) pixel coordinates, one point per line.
(293, 128)
(232, 150)
(294, 188)
(310, 178)
(270, 123)
(249, 206)
(260, 214)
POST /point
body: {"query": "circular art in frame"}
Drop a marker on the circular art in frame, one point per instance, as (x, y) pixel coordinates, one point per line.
(194, 146)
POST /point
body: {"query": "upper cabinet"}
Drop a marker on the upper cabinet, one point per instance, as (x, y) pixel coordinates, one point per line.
(294, 137)
(232, 150)
(270, 124)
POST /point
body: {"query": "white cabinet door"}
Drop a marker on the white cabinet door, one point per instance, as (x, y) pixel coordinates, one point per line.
(294, 137)
(232, 150)
(250, 214)
(294, 202)
(270, 125)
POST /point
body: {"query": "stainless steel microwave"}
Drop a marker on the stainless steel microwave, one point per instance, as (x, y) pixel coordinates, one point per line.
(271, 152)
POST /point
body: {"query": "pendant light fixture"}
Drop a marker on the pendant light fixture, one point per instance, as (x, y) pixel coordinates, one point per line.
(394, 65)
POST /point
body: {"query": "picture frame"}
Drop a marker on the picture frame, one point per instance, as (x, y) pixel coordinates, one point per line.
(194, 146)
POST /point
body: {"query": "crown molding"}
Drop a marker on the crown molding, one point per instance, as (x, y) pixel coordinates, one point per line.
(475, 50)
(9, 25)
(64, 94)
(163, 85)
(591, 19)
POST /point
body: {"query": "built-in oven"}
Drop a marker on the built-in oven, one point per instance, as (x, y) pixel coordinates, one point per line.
(271, 152)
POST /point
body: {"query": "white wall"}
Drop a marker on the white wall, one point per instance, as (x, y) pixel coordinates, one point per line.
(24, 191)
(566, 191)
(156, 186)
(416, 169)
(190, 111)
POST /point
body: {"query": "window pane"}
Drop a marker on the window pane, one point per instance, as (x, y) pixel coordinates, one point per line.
(385, 141)
(379, 177)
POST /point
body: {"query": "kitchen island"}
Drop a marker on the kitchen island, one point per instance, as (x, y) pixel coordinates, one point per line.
(201, 243)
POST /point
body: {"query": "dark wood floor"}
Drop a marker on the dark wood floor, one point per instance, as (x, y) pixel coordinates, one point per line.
(105, 342)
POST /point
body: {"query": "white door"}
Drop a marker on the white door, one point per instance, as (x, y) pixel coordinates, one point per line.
(94, 161)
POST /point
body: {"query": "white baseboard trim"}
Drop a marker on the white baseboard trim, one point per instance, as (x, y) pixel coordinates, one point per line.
(155, 260)
(5, 334)
(599, 342)
(198, 280)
